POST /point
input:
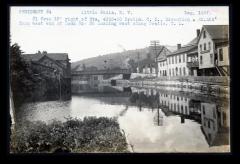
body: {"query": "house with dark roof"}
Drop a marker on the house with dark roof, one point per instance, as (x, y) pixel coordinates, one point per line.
(58, 61)
(182, 62)
(213, 50)
(149, 65)
(55, 69)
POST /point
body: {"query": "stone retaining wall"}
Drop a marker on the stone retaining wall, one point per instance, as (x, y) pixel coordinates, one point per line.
(218, 86)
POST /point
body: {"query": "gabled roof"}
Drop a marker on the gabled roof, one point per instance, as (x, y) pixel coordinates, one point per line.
(54, 61)
(58, 56)
(217, 31)
(160, 50)
(192, 42)
(38, 56)
(220, 138)
(32, 57)
(192, 45)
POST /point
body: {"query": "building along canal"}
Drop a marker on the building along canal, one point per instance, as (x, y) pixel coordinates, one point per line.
(153, 120)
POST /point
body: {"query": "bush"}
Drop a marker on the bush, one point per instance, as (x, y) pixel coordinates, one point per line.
(88, 135)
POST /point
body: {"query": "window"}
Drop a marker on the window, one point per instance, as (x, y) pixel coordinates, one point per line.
(209, 124)
(186, 110)
(211, 58)
(200, 47)
(201, 60)
(209, 45)
(169, 61)
(204, 47)
(183, 58)
(176, 59)
(95, 78)
(180, 56)
(210, 137)
(184, 71)
(170, 72)
(172, 60)
(180, 71)
(204, 34)
(221, 54)
(203, 108)
(173, 72)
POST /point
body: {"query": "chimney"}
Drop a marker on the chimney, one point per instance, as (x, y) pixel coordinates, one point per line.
(44, 52)
(198, 32)
(178, 46)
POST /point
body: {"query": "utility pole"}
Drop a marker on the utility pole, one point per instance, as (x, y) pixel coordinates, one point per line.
(154, 44)
(138, 57)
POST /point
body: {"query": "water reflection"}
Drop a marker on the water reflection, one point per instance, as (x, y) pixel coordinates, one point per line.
(213, 117)
(153, 120)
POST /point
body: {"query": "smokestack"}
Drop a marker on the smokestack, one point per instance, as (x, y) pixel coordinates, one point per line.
(178, 46)
(198, 32)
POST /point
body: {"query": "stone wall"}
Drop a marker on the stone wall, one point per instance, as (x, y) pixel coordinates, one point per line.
(218, 86)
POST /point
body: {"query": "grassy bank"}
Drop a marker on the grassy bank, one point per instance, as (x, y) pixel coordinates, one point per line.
(88, 135)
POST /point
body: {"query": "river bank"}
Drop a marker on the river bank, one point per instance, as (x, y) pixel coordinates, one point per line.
(95, 135)
(211, 85)
(164, 118)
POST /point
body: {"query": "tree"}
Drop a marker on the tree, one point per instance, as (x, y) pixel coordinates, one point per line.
(133, 65)
(21, 80)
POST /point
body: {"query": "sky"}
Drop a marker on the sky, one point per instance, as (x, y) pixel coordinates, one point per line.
(85, 41)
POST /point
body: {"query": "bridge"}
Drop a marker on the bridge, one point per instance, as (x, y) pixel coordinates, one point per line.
(107, 73)
(94, 77)
(102, 72)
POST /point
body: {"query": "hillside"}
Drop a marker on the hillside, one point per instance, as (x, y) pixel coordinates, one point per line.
(115, 60)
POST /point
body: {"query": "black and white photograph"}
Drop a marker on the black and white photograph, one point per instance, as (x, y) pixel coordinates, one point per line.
(119, 79)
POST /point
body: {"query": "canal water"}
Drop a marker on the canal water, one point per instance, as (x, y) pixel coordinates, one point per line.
(153, 120)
